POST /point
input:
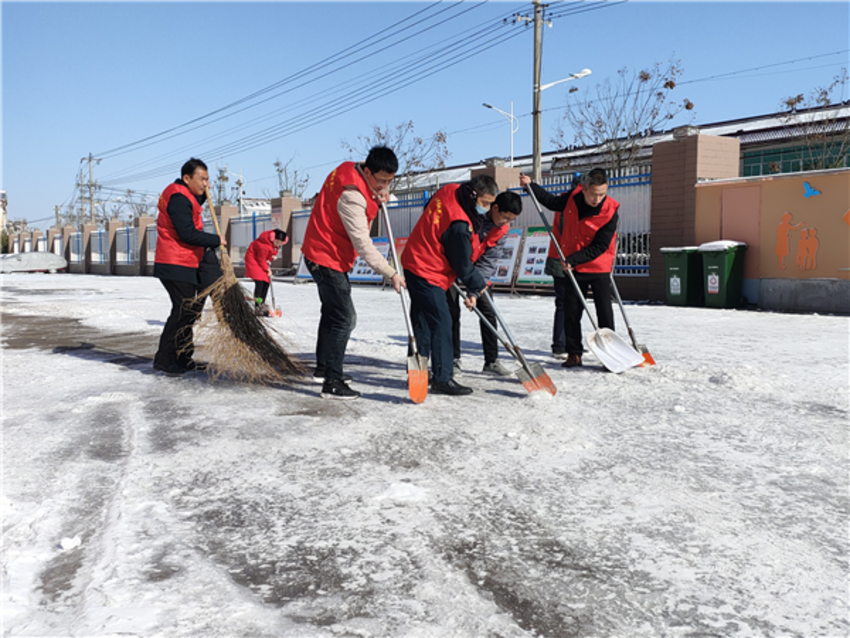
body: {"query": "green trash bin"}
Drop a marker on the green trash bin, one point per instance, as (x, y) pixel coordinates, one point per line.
(683, 275)
(723, 272)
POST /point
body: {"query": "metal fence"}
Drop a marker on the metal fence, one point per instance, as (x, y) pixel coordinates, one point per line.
(126, 245)
(99, 247)
(150, 235)
(77, 248)
(244, 230)
(632, 189)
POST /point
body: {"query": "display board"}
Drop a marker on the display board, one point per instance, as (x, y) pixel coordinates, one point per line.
(506, 255)
(533, 260)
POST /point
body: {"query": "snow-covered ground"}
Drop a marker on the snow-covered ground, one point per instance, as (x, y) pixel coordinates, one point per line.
(705, 496)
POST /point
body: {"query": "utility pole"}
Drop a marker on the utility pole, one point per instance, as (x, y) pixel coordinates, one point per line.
(535, 112)
(82, 199)
(91, 184)
(58, 218)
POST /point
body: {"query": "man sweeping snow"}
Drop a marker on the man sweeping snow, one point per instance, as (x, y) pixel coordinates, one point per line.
(185, 263)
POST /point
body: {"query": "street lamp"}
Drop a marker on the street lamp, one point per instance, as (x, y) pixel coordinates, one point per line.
(536, 165)
(514, 125)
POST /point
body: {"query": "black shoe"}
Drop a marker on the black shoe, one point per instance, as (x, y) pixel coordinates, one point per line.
(450, 387)
(573, 361)
(169, 370)
(319, 376)
(338, 390)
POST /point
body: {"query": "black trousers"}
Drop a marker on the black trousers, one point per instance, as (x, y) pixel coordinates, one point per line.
(261, 289)
(338, 319)
(176, 345)
(489, 341)
(559, 336)
(600, 285)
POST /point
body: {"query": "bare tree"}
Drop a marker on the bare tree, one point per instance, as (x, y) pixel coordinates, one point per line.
(139, 204)
(289, 180)
(415, 154)
(624, 112)
(823, 130)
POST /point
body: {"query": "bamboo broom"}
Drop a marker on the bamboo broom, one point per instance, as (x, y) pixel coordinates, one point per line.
(239, 345)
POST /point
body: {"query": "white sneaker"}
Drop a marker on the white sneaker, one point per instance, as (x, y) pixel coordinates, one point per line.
(496, 368)
(560, 355)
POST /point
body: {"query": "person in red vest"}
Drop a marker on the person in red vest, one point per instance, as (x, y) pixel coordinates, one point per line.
(490, 238)
(258, 260)
(585, 227)
(185, 263)
(439, 251)
(338, 231)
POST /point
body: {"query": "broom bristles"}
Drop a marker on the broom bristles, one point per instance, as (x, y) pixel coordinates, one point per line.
(238, 344)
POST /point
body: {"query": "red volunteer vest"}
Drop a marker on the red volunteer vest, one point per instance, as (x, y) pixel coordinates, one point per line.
(326, 242)
(169, 247)
(425, 254)
(491, 239)
(579, 233)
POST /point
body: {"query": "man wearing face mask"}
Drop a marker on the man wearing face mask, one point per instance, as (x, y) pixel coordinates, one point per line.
(439, 251)
(486, 245)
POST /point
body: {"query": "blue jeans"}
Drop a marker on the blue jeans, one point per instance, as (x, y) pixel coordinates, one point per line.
(432, 325)
(338, 319)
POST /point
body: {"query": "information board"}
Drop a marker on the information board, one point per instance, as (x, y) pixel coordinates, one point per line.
(533, 260)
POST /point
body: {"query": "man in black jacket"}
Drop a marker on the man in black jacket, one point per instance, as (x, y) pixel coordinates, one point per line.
(185, 263)
(585, 227)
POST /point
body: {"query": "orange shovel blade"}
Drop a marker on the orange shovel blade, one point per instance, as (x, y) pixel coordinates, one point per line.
(647, 358)
(417, 384)
(540, 380)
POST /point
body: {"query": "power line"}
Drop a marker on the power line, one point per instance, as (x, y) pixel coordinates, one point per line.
(406, 73)
(302, 73)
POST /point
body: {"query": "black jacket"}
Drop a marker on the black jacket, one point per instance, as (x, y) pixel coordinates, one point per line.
(604, 236)
(180, 212)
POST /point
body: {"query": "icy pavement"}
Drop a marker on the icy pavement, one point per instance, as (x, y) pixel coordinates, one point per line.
(705, 496)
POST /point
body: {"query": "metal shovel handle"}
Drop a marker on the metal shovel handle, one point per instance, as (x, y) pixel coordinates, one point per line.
(397, 263)
(567, 269)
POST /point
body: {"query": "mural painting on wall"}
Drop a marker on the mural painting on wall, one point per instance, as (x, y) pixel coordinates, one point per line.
(807, 249)
(783, 235)
(807, 245)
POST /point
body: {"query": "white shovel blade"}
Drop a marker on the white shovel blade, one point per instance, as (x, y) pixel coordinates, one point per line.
(614, 353)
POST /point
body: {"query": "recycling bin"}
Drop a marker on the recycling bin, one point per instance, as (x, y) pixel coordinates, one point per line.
(723, 272)
(683, 275)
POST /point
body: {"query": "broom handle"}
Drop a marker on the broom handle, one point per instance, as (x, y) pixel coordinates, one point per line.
(567, 269)
(212, 211)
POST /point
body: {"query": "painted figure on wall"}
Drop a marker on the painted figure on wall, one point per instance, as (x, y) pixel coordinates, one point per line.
(807, 249)
(782, 238)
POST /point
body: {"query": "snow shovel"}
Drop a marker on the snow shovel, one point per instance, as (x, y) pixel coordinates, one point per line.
(417, 365)
(614, 353)
(641, 348)
(532, 375)
(275, 310)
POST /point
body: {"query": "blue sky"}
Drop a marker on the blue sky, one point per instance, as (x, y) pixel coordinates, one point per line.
(82, 78)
